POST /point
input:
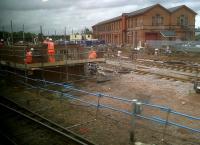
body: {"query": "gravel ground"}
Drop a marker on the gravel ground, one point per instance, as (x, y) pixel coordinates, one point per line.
(111, 128)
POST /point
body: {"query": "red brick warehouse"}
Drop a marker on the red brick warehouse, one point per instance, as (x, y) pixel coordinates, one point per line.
(150, 23)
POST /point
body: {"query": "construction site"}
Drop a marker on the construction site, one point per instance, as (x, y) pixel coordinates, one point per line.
(103, 93)
(113, 86)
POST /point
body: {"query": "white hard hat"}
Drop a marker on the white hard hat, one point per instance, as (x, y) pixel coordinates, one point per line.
(50, 39)
(32, 49)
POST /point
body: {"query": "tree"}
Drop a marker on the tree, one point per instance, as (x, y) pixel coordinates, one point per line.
(17, 36)
(87, 31)
(197, 38)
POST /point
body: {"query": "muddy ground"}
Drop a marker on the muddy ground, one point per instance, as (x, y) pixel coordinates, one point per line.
(106, 127)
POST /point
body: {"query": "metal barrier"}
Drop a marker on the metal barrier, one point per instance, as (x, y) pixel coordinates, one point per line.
(187, 46)
(136, 111)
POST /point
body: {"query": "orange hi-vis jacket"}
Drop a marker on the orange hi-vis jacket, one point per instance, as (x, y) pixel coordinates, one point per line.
(92, 55)
(51, 49)
(29, 57)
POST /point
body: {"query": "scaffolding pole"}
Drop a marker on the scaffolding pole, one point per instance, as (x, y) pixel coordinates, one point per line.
(23, 32)
(11, 27)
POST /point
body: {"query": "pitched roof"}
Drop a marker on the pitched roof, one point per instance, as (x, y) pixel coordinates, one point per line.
(144, 10)
(137, 12)
(173, 9)
(110, 20)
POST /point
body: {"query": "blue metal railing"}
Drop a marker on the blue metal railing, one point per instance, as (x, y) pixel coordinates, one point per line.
(97, 94)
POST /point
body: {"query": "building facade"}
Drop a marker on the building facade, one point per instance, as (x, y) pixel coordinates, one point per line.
(76, 37)
(151, 23)
(79, 37)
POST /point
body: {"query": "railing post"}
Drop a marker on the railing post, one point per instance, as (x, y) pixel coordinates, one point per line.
(98, 104)
(137, 108)
(166, 123)
(132, 131)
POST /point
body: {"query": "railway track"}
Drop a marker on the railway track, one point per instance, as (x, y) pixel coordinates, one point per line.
(177, 72)
(178, 66)
(161, 76)
(70, 137)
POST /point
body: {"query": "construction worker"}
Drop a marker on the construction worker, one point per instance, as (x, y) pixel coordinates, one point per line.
(92, 54)
(29, 57)
(51, 50)
(119, 53)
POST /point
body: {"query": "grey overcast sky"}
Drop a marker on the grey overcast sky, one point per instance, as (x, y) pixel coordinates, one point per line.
(74, 14)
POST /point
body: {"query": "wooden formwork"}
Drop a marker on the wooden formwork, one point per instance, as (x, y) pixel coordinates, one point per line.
(14, 56)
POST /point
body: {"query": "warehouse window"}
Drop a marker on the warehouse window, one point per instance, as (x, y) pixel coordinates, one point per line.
(182, 20)
(157, 20)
